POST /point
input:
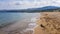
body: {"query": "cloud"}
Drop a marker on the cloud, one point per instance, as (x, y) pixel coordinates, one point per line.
(24, 4)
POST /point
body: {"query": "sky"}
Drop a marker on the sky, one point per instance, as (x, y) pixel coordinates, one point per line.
(25, 4)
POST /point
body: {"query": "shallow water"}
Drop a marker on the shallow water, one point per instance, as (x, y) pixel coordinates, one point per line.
(24, 25)
(11, 17)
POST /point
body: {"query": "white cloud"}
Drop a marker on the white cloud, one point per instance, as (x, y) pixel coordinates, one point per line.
(24, 4)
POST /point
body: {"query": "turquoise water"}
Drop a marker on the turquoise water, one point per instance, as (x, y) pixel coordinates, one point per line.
(10, 17)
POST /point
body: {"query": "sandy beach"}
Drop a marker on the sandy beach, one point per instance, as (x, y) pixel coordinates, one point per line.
(49, 23)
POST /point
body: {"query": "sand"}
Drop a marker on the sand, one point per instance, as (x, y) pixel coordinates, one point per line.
(48, 23)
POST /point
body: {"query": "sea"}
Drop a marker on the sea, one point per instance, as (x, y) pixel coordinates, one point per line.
(11, 17)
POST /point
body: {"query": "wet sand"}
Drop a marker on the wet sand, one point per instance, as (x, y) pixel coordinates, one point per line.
(14, 27)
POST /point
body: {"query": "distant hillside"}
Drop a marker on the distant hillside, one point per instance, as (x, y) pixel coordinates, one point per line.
(33, 10)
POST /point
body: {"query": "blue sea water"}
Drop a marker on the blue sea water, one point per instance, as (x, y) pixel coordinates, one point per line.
(10, 17)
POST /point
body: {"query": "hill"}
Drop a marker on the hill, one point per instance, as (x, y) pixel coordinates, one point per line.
(33, 10)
